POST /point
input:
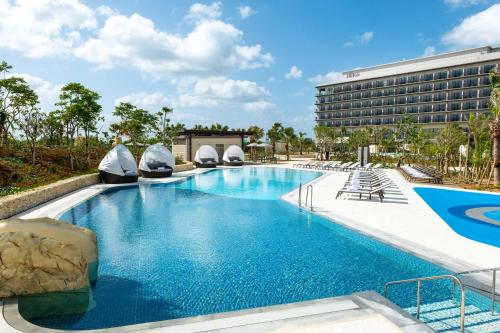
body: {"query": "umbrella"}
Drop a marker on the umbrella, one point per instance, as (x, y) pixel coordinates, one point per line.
(253, 144)
(265, 145)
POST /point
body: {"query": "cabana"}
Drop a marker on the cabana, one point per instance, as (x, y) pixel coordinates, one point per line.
(156, 162)
(118, 166)
(206, 157)
(233, 156)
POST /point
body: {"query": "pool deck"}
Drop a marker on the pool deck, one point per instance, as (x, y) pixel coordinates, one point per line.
(403, 220)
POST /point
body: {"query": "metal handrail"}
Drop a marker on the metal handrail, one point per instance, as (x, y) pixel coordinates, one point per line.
(300, 195)
(493, 282)
(453, 278)
(307, 196)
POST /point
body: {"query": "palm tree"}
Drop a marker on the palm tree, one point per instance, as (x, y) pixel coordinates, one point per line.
(256, 134)
(301, 138)
(274, 134)
(288, 135)
(495, 123)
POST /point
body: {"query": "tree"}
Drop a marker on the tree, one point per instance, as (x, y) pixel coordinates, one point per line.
(449, 140)
(15, 94)
(199, 127)
(479, 134)
(359, 138)
(219, 127)
(163, 123)
(406, 133)
(31, 121)
(79, 110)
(172, 131)
(256, 133)
(288, 135)
(301, 138)
(495, 124)
(134, 122)
(275, 134)
(324, 135)
(53, 128)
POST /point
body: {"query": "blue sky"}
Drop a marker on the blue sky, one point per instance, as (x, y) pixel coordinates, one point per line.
(234, 62)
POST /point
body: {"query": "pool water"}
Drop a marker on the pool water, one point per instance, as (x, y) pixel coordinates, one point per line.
(224, 241)
(470, 214)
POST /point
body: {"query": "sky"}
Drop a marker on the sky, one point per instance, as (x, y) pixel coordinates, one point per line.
(238, 63)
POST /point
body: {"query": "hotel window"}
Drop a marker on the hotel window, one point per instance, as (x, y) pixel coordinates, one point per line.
(337, 98)
(366, 94)
(440, 86)
(412, 109)
(389, 111)
(346, 106)
(402, 80)
(486, 92)
(367, 85)
(454, 117)
(470, 94)
(456, 95)
(338, 123)
(470, 83)
(469, 105)
(357, 86)
(412, 99)
(438, 118)
(377, 93)
(366, 104)
(439, 107)
(401, 100)
(365, 122)
(426, 77)
(425, 119)
(377, 112)
(346, 122)
(338, 106)
(400, 110)
(412, 89)
(401, 91)
(488, 68)
(439, 97)
(413, 79)
(388, 121)
(379, 84)
(355, 113)
(456, 84)
(338, 89)
(485, 80)
(441, 75)
(457, 72)
(426, 87)
(454, 107)
(356, 95)
(426, 108)
(389, 82)
(425, 98)
(346, 88)
(322, 108)
(322, 100)
(377, 121)
(330, 107)
(484, 104)
(346, 97)
(377, 102)
(389, 101)
(388, 92)
(356, 105)
(472, 70)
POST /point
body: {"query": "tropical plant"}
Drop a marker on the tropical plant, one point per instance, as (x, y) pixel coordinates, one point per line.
(495, 123)
(324, 138)
(301, 139)
(275, 134)
(256, 133)
(163, 123)
(448, 141)
(134, 122)
(359, 138)
(288, 135)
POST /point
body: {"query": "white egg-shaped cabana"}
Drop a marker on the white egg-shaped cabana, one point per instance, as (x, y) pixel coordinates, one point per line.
(206, 157)
(156, 162)
(234, 156)
(118, 166)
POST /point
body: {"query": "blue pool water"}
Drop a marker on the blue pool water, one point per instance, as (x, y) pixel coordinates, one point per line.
(224, 241)
(452, 206)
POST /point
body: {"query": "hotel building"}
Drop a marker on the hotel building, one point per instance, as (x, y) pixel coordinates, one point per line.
(435, 90)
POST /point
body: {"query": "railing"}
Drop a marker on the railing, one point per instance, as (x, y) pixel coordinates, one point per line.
(453, 278)
(493, 282)
(307, 196)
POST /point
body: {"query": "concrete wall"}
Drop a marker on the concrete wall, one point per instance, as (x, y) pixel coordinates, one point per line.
(17, 203)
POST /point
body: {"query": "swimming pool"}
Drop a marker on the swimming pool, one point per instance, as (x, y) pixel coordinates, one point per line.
(223, 241)
(471, 214)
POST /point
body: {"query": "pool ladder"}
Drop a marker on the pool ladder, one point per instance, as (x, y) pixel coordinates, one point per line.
(455, 278)
(307, 196)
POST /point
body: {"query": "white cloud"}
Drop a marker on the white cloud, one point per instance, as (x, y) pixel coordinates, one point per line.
(329, 77)
(259, 106)
(429, 51)
(480, 29)
(211, 48)
(293, 73)
(364, 38)
(106, 11)
(199, 12)
(48, 92)
(246, 11)
(149, 101)
(464, 3)
(39, 28)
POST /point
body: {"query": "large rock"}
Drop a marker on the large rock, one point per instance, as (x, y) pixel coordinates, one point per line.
(45, 255)
(31, 264)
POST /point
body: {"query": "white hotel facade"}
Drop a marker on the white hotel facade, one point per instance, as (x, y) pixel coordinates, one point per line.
(434, 90)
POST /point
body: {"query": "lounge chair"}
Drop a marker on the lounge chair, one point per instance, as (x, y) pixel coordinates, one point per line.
(379, 190)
